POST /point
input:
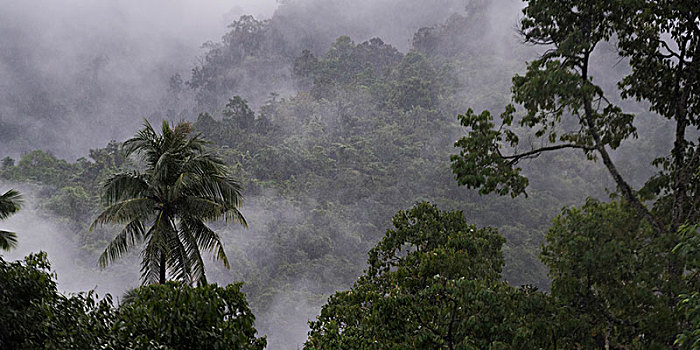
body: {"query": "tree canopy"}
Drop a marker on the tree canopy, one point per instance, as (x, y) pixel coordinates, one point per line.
(433, 283)
(330, 137)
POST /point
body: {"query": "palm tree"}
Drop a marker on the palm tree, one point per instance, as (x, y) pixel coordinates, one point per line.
(10, 203)
(182, 187)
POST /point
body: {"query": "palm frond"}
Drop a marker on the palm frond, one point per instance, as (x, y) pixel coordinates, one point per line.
(193, 252)
(222, 190)
(204, 208)
(145, 140)
(124, 186)
(150, 263)
(10, 203)
(8, 240)
(125, 211)
(150, 256)
(165, 130)
(179, 262)
(180, 186)
(233, 214)
(231, 191)
(207, 240)
(195, 143)
(161, 169)
(132, 233)
(205, 164)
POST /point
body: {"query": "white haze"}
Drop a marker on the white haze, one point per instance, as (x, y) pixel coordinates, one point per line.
(38, 231)
(77, 73)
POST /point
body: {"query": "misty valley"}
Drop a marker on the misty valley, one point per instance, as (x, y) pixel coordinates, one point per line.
(394, 174)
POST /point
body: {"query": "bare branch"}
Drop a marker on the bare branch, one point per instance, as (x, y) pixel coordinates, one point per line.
(536, 152)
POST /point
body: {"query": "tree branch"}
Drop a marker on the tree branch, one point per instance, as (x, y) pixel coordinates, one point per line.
(679, 144)
(624, 187)
(671, 53)
(536, 152)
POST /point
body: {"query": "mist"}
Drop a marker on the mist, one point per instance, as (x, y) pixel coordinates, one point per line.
(79, 73)
(38, 230)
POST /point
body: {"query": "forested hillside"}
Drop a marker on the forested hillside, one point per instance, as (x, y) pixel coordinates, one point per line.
(332, 124)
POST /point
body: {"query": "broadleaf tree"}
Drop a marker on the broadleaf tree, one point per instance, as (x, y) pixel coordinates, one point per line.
(161, 316)
(608, 278)
(593, 252)
(565, 109)
(177, 316)
(433, 282)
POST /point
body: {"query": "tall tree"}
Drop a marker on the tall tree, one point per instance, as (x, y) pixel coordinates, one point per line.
(662, 41)
(10, 203)
(568, 111)
(603, 256)
(182, 187)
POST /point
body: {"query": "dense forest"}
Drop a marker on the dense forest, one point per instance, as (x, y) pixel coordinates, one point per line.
(391, 174)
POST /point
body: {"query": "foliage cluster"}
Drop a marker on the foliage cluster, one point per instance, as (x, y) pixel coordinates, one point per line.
(620, 271)
(169, 316)
(433, 282)
(10, 203)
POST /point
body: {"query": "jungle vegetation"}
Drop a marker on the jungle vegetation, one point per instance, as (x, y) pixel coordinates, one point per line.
(568, 220)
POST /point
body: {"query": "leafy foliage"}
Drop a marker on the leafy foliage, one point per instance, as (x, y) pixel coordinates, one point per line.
(688, 249)
(322, 172)
(564, 108)
(25, 285)
(614, 267)
(690, 306)
(608, 269)
(39, 317)
(177, 316)
(169, 316)
(432, 283)
(480, 164)
(370, 131)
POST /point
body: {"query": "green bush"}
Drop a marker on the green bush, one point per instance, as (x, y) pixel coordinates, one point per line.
(35, 315)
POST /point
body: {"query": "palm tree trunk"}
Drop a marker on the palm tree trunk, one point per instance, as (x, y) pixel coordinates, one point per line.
(162, 267)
